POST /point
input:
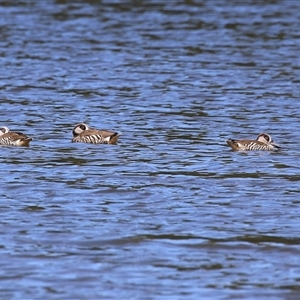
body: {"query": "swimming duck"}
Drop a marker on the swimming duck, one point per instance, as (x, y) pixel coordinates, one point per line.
(83, 133)
(10, 138)
(263, 142)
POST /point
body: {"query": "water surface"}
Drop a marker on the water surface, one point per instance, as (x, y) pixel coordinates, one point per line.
(170, 212)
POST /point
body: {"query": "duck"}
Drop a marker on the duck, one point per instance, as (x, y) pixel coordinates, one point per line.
(84, 134)
(12, 138)
(263, 142)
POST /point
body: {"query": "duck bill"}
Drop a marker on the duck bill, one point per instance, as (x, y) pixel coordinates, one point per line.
(276, 145)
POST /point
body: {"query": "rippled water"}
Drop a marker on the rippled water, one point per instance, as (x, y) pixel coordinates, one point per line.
(170, 212)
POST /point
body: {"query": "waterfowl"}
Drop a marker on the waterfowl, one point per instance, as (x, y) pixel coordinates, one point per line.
(84, 134)
(263, 142)
(11, 138)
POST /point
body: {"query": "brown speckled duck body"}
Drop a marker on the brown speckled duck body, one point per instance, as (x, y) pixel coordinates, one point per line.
(11, 138)
(84, 134)
(263, 142)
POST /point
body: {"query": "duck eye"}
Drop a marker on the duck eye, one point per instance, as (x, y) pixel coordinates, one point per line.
(82, 127)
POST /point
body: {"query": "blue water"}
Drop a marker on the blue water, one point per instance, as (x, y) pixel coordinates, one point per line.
(171, 212)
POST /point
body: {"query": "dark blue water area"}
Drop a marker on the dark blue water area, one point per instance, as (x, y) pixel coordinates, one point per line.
(170, 212)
